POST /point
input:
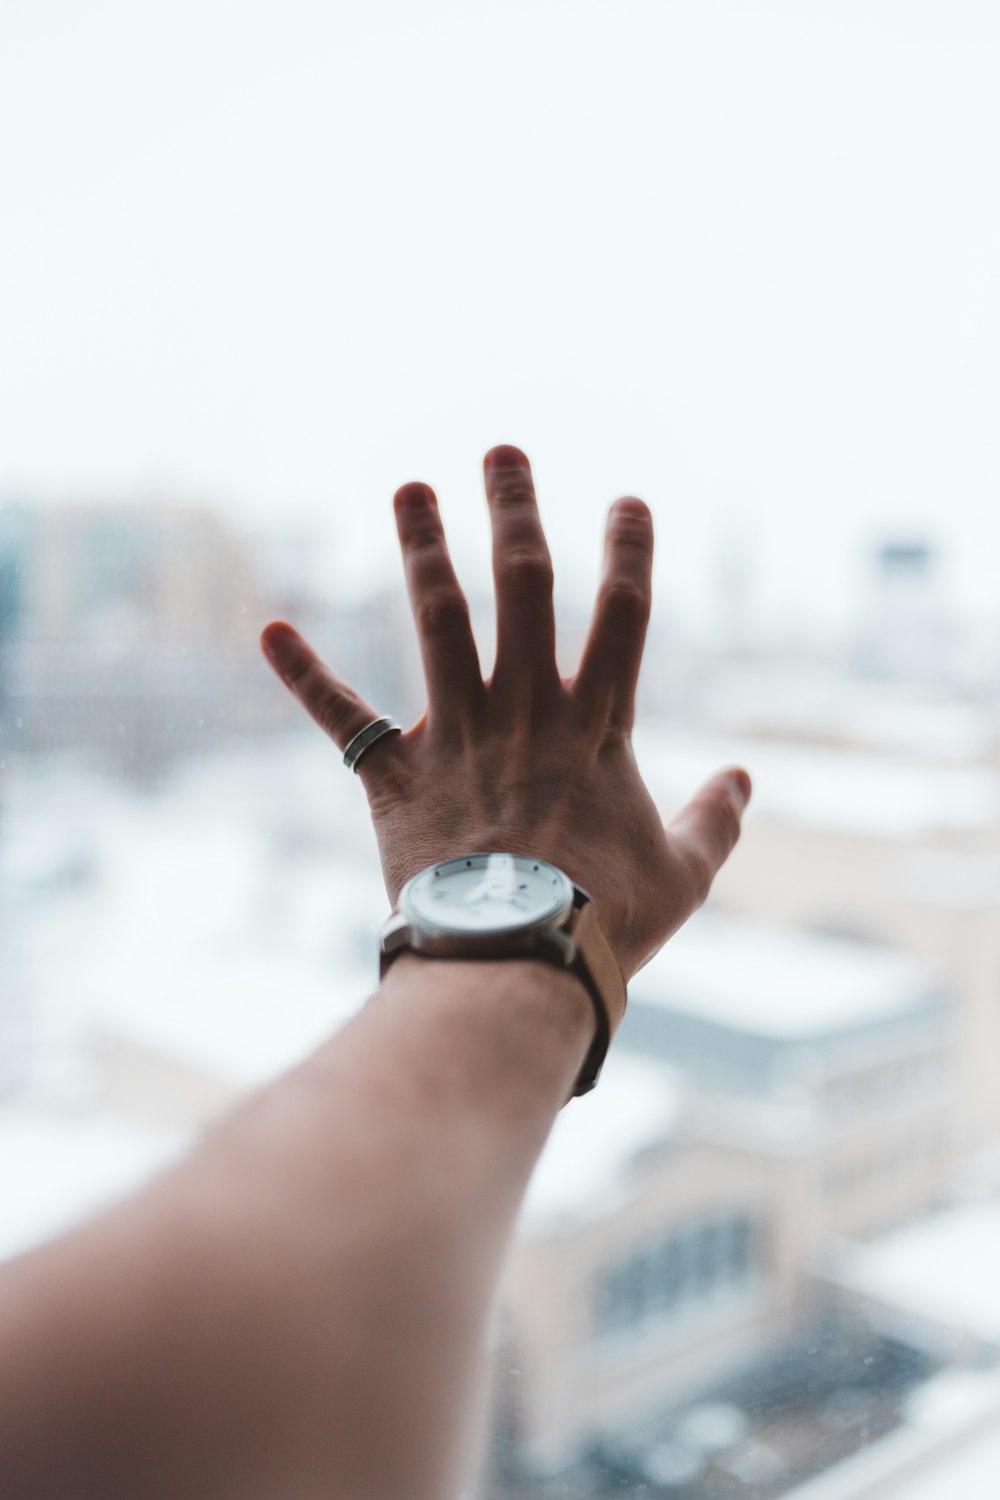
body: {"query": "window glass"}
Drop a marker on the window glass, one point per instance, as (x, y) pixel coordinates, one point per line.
(261, 263)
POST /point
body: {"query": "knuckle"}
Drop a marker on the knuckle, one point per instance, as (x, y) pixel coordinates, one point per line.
(731, 823)
(723, 820)
(615, 736)
(702, 874)
(511, 486)
(632, 536)
(300, 673)
(387, 781)
(627, 602)
(337, 715)
(441, 612)
(633, 529)
(527, 571)
(425, 538)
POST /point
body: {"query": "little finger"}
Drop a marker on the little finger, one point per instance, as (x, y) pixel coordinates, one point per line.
(338, 710)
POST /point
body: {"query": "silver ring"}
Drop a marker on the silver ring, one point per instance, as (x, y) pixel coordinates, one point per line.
(365, 739)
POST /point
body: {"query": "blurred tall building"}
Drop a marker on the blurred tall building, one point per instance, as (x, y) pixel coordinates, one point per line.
(105, 575)
(772, 1093)
(127, 628)
(907, 632)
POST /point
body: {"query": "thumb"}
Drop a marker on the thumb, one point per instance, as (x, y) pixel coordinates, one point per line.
(705, 831)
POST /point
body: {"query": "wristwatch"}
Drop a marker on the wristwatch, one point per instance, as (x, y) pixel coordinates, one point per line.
(487, 906)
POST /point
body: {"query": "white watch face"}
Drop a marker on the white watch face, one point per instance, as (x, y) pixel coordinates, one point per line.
(487, 893)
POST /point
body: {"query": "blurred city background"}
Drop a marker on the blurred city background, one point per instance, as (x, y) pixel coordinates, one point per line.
(259, 266)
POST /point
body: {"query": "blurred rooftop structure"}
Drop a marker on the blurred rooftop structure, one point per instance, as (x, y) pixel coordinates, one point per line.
(753, 977)
(800, 1066)
(843, 790)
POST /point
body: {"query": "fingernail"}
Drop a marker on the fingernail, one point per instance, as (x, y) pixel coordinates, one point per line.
(414, 496)
(505, 457)
(741, 780)
(630, 505)
(276, 637)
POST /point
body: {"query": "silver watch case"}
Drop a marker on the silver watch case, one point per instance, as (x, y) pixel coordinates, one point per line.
(542, 938)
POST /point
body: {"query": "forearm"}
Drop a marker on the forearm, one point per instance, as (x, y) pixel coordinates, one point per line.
(297, 1311)
(305, 1298)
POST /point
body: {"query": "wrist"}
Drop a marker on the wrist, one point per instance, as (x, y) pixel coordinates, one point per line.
(503, 907)
(519, 1023)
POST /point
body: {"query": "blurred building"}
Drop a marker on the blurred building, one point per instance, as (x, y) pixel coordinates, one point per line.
(875, 814)
(838, 1051)
(644, 1262)
(16, 1011)
(907, 632)
(798, 1074)
(778, 1099)
(103, 572)
(771, 1092)
(127, 629)
(15, 533)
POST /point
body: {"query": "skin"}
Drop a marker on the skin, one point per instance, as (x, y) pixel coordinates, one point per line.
(544, 766)
(299, 1308)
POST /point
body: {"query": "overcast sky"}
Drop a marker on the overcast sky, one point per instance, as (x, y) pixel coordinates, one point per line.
(740, 258)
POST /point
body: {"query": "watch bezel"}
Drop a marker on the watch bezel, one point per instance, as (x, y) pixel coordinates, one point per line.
(431, 936)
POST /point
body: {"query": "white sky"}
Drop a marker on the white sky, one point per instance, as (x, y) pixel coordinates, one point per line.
(739, 258)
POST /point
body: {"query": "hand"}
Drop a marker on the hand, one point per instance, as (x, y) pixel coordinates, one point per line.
(526, 761)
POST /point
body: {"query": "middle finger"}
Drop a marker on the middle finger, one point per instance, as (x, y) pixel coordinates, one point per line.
(522, 574)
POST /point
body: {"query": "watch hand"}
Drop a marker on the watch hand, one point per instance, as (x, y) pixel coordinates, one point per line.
(489, 888)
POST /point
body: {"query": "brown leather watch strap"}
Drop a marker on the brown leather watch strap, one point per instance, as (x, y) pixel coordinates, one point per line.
(577, 945)
(596, 966)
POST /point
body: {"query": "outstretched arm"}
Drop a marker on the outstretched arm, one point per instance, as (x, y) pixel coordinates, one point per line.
(298, 1308)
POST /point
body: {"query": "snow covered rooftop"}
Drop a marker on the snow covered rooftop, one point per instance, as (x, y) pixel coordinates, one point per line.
(810, 697)
(779, 982)
(847, 791)
(240, 1017)
(222, 924)
(942, 1269)
(583, 1170)
(948, 1447)
(967, 1470)
(950, 881)
(58, 1169)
